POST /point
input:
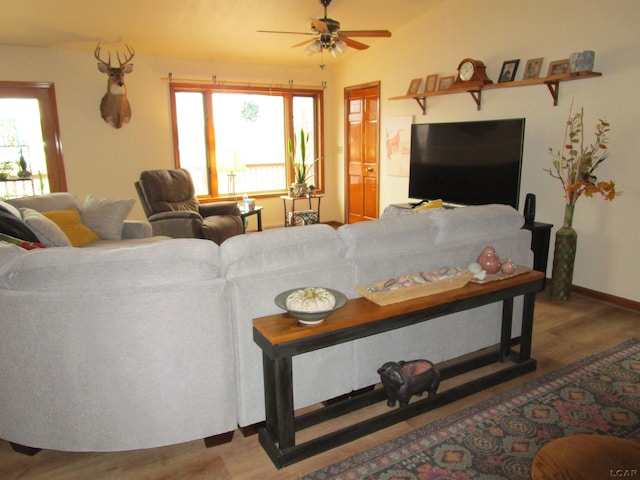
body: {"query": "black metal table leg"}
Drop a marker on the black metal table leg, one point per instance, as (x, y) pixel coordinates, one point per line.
(527, 326)
(285, 416)
(507, 325)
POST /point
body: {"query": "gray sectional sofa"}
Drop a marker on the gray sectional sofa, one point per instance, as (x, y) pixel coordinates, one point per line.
(146, 345)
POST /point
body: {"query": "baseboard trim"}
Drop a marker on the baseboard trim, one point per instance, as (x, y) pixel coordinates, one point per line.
(604, 297)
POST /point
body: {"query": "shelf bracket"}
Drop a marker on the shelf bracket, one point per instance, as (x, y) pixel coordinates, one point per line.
(477, 97)
(422, 101)
(554, 88)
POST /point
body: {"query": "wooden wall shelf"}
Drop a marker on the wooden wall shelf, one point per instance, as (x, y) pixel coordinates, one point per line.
(552, 83)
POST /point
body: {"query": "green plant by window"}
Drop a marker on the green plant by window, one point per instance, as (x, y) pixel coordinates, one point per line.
(302, 169)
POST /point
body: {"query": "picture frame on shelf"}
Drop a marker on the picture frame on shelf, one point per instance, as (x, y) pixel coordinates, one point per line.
(414, 86)
(445, 82)
(532, 68)
(558, 67)
(432, 83)
(508, 72)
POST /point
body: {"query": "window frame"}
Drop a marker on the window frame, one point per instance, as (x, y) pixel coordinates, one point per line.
(45, 93)
(288, 93)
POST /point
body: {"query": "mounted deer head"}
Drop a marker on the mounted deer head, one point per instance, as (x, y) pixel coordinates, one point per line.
(115, 108)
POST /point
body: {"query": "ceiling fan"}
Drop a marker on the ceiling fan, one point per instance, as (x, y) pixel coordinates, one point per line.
(328, 35)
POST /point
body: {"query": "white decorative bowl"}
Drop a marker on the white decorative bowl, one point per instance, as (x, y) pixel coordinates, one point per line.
(311, 318)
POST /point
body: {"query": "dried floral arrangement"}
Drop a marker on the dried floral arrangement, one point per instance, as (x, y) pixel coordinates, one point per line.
(574, 164)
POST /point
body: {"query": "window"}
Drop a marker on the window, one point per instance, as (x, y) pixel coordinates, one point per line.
(30, 154)
(233, 140)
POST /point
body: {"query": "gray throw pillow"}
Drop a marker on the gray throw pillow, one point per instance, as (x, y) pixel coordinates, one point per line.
(105, 216)
(50, 234)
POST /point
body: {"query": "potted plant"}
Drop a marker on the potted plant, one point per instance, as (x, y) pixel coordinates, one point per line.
(574, 165)
(301, 167)
(5, 169)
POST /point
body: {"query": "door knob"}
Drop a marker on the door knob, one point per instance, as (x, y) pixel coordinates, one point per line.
(370, 169)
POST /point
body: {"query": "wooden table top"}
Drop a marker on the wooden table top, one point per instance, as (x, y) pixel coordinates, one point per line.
(283, 328)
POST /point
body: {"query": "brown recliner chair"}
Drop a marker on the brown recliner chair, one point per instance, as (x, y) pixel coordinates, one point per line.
(169, 200)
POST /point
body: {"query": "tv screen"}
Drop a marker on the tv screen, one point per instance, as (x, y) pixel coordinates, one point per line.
(467, 163)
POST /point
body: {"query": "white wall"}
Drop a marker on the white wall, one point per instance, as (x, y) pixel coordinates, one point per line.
(493, 31)
(104, 161)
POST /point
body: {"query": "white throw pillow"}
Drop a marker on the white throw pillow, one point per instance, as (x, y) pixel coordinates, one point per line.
(50, 234)
(105, 216)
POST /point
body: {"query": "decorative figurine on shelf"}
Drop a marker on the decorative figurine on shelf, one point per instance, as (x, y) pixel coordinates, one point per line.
(22, 164)
(402, 380)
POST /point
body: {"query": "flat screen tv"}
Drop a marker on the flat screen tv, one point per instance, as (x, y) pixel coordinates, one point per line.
(467, 163)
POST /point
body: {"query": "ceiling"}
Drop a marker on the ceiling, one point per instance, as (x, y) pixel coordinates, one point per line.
(224, 30)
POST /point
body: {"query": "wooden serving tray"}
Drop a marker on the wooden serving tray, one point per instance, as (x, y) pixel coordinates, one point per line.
(387, 297)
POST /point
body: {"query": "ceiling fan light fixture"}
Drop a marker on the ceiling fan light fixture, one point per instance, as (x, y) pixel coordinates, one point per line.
(330, 37)
(313, 47)
(340, 46)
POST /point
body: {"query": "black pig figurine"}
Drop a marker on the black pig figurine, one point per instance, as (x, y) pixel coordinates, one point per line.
(403, 379)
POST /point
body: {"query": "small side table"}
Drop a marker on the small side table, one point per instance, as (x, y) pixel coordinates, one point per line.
(315, 213)
(247, 213)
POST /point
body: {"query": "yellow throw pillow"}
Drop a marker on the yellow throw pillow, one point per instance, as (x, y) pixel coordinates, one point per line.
(71, 224)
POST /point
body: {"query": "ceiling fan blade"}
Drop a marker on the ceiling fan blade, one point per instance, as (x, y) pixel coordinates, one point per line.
(303, 43)
(354, 44)
(319, 25)
(292, 33)
(365, 33)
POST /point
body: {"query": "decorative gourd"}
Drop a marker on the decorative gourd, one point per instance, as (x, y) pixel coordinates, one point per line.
(489, 260)
(508, 267)
(310, 299)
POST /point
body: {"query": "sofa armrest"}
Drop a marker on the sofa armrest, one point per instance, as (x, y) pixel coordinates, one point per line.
(136, 229)
(177, 214)
(219, 208)
(178, 224)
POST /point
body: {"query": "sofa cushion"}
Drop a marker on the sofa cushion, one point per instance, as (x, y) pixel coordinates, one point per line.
(128, 268)
(468, 222)
(279, 249)
(105, 217)
(50, 201)
(71, 224)
(46, 230)
(391, 234)
(9, 254)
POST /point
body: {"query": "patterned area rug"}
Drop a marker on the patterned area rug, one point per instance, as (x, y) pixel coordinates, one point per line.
(498, 438)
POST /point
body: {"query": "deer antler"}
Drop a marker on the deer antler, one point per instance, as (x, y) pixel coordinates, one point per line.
(128, 58)
(97, 55)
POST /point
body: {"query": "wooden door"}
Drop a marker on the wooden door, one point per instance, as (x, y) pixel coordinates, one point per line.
(362, 105)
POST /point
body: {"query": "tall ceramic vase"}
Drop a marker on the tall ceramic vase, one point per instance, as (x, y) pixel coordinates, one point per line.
(563, 258)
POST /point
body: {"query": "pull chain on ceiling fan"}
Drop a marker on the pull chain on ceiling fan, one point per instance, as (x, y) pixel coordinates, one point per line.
(328, 35)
